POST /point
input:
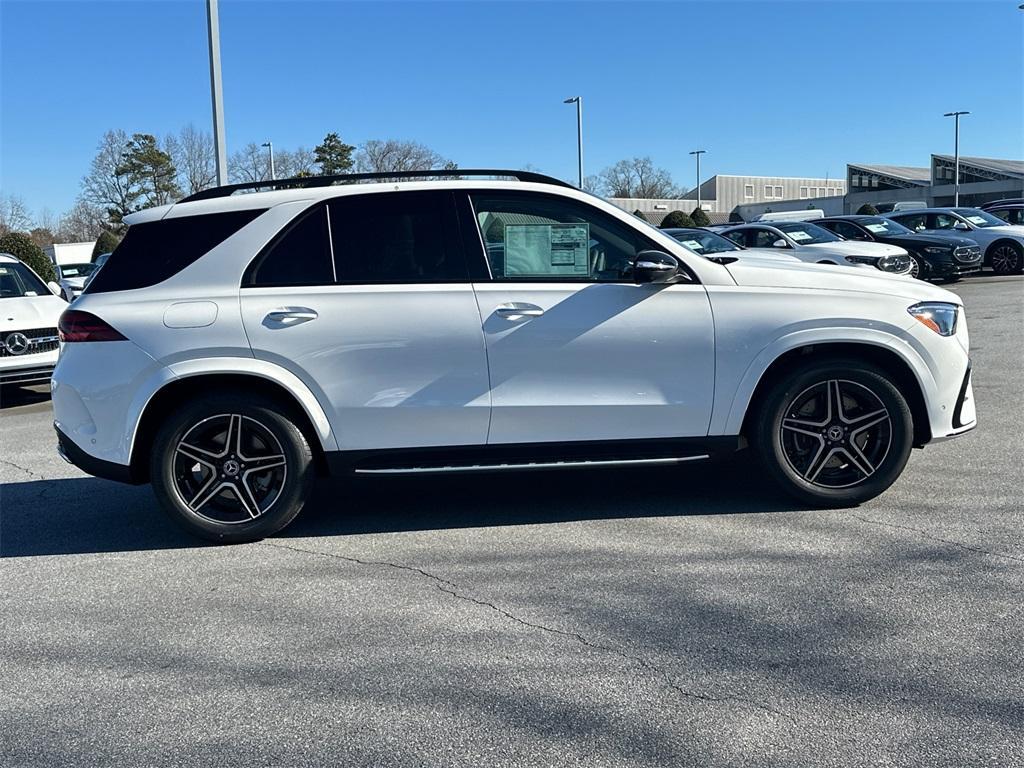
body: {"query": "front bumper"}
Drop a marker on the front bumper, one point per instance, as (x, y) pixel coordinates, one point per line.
(954, 268)
(33, 368)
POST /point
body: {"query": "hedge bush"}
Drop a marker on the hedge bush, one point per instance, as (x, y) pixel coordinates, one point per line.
(20, 245)
(677, 219)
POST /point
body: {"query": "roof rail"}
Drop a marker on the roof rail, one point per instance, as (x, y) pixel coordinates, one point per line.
(304, 182)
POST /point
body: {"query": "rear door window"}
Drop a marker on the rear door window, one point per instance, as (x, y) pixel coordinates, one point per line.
(154, 251)
(396, 238)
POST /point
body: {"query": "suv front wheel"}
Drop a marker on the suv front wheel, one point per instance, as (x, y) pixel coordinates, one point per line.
(834, 433)
(231, 469)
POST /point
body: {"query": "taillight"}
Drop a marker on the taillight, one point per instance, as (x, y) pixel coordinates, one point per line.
(75, 325)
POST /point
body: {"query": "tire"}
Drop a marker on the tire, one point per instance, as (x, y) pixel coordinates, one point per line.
(853, 455)
(204, 483)
(1006, 258)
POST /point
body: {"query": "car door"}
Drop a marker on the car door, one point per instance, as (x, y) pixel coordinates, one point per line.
(576, 350)
(367, 299)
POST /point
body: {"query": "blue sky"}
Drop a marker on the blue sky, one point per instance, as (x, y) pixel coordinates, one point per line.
(787, 88)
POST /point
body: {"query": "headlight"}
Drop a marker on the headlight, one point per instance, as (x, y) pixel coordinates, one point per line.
(897, 264)
(936, 249)
(937, 315)
(861, 259)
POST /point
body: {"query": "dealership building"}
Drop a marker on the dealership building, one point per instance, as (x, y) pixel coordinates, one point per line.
(743, 198)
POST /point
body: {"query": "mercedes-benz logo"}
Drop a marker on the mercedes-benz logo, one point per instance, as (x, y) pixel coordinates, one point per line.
(16, 343)
(231, 467)
(835, 434)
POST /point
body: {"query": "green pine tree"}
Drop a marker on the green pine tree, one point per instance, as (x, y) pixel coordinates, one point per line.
(333, 155)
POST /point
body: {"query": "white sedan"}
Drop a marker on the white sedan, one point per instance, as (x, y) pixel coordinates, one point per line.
(811, 243)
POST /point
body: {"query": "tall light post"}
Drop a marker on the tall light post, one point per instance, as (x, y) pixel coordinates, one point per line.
(219, 147)
(270, 146)
(578, 101)
(956, 154)
(698, 153)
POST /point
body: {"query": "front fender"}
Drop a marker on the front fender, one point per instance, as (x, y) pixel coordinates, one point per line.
(732, 406)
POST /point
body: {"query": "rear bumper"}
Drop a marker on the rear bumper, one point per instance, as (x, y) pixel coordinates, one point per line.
(107, 470)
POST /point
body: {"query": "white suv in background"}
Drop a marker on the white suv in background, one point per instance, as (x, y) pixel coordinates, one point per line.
(29, 311)
(235, 346)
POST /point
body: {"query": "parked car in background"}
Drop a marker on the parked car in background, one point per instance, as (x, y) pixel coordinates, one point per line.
(713, 246)
(806, 214)
(1002, 244)
(811, 243)
(234, 346)
(72, 278)
(934, 256)
(1011, 211)
(29, 311)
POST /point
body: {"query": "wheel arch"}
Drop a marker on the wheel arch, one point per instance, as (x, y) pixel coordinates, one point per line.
(882, 357)
(311, 420)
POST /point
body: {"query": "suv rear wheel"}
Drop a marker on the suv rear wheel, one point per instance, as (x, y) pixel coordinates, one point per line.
(834, 433)
(231, 468)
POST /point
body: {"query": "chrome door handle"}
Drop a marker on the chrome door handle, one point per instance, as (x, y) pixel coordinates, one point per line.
(517, 310)
(292, 315)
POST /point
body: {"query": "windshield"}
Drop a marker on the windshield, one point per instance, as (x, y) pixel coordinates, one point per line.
(77, 270)
(979, 218)
(803, 233)
(17, 280)
(705, 243)
(884, 227)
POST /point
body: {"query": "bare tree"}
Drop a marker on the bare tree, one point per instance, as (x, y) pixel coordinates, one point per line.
(298, 162)
(14, 215)
(109, 184)
(83, 222)
(195, 161)
(250, 163)
(637, 177)
(383, 156)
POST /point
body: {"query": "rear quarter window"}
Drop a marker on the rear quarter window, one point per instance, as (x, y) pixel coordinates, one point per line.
(157, 250)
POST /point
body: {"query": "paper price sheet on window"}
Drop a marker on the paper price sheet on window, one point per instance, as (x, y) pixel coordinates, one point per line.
(541, 250)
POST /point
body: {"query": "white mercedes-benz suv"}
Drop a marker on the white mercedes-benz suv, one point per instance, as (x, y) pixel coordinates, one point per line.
(235, 346)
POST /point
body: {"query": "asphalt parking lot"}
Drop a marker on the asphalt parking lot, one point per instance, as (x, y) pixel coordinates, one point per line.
(594, 618)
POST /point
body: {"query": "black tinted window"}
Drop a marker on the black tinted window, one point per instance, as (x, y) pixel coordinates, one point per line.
(156, 250)
(404, 237)
(299, 255)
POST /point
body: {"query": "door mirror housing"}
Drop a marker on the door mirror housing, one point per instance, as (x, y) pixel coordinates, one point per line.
(962, 226)
(655, 267)
(54, 288)
(780, 243)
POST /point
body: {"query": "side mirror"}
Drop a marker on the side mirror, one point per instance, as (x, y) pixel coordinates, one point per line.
(962, 226)
(655, 267)
(55, 289)
(780, 243)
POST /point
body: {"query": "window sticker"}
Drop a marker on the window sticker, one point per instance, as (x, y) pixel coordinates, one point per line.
(878, 229)
(548, 249)
(799, 235)
(976, 220)
(693, 245)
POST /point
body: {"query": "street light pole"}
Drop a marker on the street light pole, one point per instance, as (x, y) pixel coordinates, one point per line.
(956, 154)
(578, 101)
(219, 147)
(698, 153)
(270, 145)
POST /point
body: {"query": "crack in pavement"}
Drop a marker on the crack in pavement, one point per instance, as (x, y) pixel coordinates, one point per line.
(927, 535)
(450, 588)
(29, 472)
